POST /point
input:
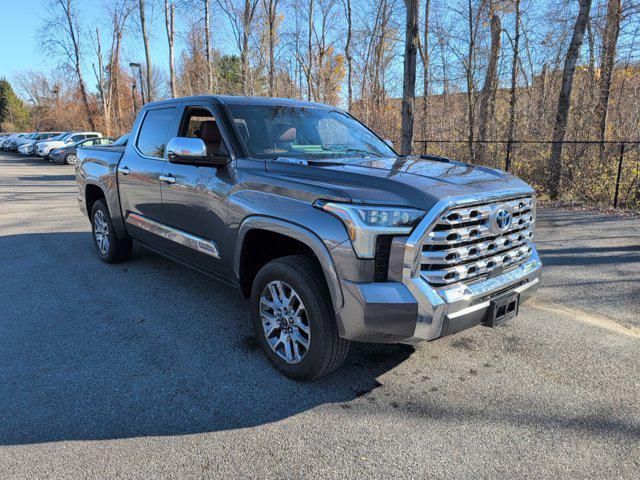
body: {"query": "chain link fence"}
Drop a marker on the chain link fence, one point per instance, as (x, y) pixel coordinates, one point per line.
(594, 173)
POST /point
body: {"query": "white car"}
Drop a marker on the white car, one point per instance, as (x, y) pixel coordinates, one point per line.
(27, 146)
(6, 139)
(44, 148)
(23, 140)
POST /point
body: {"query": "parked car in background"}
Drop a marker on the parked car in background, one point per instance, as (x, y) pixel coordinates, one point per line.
(5, 141)
(72, 137)
(16, 142)
(68, 154)
(59, 136)
(122, 141)
(27, 146)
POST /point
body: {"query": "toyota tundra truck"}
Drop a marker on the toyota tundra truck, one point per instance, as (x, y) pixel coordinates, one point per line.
(331, 235)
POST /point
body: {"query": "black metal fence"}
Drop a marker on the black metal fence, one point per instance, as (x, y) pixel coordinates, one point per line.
(592, 172)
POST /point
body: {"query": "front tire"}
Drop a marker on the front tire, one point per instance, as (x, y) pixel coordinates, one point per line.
(70, 159)
(293, 318)
(110, 248)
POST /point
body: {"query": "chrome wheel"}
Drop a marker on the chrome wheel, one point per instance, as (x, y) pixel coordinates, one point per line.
(101, 232)
(285, 322)
(71, 159)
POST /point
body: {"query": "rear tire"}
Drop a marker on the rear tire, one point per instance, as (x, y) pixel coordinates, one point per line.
(110, 248)
(305, 317)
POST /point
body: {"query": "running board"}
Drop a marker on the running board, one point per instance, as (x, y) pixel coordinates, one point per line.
(183, 238)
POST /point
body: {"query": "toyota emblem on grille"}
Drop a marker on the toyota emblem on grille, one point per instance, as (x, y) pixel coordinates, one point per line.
(500, 220)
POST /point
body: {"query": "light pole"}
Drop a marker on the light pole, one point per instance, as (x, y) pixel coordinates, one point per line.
(139, 67)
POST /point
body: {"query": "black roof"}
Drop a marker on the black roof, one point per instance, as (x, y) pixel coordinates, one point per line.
(241, 100)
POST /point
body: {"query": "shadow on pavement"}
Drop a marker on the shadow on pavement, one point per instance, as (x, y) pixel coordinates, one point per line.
(93, 351)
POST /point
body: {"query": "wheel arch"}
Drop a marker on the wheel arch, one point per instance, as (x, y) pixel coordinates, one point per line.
(252, 227)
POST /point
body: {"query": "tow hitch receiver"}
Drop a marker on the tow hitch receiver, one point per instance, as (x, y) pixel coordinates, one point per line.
(502, 309)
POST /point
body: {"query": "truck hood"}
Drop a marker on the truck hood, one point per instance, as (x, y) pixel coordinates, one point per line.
(410, 181)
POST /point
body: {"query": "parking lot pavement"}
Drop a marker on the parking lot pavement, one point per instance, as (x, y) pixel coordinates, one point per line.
(148, 369)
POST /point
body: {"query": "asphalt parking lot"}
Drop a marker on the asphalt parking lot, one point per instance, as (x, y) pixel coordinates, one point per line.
(148, 369)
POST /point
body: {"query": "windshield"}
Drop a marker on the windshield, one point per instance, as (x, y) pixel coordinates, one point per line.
(275, 131)
(59, 137)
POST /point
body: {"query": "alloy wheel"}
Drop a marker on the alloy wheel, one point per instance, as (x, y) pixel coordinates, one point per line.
(285, 321)
(101, 232)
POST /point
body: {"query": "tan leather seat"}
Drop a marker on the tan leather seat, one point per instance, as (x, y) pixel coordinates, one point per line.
(210, 135)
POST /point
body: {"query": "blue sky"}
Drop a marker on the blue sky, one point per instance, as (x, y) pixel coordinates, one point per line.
(21, 50)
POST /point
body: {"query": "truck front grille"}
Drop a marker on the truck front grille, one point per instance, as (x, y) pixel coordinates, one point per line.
(470, 243)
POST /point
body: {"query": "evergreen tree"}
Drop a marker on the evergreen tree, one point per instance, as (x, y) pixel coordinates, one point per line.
(14, 115)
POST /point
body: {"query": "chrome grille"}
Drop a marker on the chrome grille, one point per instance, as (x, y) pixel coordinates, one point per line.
(467, 243)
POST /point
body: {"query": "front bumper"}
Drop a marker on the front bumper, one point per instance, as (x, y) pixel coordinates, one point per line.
(414, 310)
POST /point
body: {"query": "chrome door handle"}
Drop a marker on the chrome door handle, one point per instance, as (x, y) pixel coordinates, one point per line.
(167, 178)
(124, 170)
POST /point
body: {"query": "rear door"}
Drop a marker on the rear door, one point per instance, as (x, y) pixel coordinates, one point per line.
(139, 174)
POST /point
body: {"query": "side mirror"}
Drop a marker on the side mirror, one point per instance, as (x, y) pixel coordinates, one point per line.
(388, 142)
(192, 151)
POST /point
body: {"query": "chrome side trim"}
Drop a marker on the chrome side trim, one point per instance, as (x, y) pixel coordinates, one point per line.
(202, 245)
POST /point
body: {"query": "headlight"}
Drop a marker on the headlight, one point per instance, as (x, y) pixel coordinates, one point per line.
(365, 222)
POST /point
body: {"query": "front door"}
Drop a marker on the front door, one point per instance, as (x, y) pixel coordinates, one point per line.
(194, 195)
(139, 175)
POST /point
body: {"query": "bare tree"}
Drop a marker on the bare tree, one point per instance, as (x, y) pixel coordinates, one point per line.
(607, 59)
(271, 10)
(409, 77)
(310, 50)
(241, 16)
(207, 40)
(169, 19)
(564, 99)
(347, 52)
(488, 94)
(147, 51)
(425, 57)
(61, 35)
(514, 78)
(106, 113)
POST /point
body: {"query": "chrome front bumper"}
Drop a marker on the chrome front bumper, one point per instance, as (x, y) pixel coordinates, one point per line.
(449, 310)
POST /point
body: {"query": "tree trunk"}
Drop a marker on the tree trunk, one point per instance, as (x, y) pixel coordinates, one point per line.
(207, 40)
(347, 54)
(169, 18)
(147, 52)
(271, 8)
(106, 114)
(73, 32)
(425, 71)
(564, 99)
(409, 77)
(310, 47)
(514, 79)
(607, 59)
(247, 19)
(488, 93)
(470, 84)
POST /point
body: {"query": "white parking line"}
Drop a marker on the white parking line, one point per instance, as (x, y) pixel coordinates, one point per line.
(580, 315)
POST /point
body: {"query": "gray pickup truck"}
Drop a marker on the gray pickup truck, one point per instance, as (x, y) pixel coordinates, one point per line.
(332, 235)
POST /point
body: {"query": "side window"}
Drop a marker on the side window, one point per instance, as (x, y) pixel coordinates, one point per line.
(152, 139)
(200, 123)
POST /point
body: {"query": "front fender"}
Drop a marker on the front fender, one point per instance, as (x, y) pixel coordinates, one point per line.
(301, 234)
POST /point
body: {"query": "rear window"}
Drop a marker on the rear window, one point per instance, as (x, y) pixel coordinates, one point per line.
(154, 131)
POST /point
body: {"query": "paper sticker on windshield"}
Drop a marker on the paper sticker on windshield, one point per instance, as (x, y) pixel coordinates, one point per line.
(297, 161)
